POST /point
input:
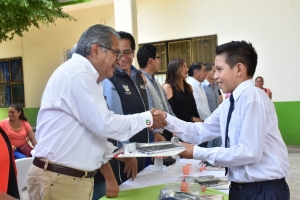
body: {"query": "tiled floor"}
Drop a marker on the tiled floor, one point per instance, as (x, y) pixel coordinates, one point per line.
(293, 179)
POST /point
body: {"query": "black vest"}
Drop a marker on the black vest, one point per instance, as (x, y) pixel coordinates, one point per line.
(133, 98)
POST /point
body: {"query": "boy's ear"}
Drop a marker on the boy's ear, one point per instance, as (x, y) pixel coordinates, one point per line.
(241, 69)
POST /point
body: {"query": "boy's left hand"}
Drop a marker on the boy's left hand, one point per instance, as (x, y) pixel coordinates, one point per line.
(188, 153)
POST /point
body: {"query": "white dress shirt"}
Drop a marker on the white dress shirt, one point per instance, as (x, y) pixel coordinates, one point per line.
(200, 98)
(74, 122)
(257, 151)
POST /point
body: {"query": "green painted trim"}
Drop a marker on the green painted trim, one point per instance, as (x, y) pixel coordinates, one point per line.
(3, 113)
(73, 2)
(30, 113)
(289, 121)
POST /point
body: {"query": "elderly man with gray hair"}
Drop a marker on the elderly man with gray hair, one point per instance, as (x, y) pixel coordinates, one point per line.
(73, 122)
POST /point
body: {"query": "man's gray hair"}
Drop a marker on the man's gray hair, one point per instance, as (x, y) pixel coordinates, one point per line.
(97, 34)
(70, 53)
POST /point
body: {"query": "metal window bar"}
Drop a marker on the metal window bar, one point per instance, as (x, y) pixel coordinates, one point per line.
(11, 82)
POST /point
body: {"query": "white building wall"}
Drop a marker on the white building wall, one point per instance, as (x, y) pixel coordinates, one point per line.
(271, 25)
(41, 48)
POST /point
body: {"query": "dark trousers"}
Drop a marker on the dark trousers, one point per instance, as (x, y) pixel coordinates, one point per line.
(263, 190)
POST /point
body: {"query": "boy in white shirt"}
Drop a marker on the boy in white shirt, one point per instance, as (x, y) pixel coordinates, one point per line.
(253, 152)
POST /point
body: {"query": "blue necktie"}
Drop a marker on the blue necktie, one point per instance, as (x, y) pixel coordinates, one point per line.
(227, 144)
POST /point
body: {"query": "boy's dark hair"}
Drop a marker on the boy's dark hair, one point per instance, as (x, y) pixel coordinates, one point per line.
(144, 53)
(208, 66)
(239, 52)
(128, 36)
(195, 66)
(19, 109)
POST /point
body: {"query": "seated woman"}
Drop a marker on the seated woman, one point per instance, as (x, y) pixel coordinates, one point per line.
(17, 129)
(259, 82)
(179, 92)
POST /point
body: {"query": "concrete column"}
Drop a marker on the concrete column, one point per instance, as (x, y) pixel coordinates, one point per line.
(126, 20)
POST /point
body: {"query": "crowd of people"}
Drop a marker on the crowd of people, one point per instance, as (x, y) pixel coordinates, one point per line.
(97, 101)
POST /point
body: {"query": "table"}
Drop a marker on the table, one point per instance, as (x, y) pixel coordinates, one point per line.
(149, 182)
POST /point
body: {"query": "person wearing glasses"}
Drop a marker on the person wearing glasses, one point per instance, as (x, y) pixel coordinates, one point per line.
(104, 181)
(149, 62)
(73, 122)
(125, 93)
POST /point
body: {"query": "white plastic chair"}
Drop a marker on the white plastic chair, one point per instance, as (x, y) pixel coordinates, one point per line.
(23, 165)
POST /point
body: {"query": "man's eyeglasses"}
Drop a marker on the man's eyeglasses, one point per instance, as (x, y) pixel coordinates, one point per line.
(158, 57)
(118, 52)
(127, 53)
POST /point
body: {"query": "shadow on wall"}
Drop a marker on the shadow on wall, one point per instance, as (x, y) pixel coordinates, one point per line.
(30, 113)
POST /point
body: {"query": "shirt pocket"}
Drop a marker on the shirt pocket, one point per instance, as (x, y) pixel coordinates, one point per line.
(234, 130)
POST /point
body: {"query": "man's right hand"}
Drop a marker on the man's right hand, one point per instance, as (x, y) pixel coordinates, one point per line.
(112, 188)
(158, 119)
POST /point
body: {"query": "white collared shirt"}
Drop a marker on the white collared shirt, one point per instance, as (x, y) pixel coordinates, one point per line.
(200, 98)
(74, 122)
(257, 151)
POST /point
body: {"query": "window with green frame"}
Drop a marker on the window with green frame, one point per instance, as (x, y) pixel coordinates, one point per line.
(11, 82)
(196, 49)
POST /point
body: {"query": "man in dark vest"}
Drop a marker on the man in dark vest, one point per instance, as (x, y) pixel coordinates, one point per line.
(126, 94)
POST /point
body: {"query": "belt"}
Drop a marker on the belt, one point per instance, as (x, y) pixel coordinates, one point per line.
(63, 170)
(258, 185)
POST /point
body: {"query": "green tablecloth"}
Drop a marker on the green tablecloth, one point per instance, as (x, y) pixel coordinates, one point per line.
(152, 193)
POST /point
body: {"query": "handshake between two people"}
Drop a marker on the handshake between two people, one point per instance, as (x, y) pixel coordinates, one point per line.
(159, 121)
(159, 118)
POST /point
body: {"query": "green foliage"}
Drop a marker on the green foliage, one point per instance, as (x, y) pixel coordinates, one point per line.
(16, 16)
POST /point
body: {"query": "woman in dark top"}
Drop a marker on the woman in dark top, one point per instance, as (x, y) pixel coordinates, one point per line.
(179, 92)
